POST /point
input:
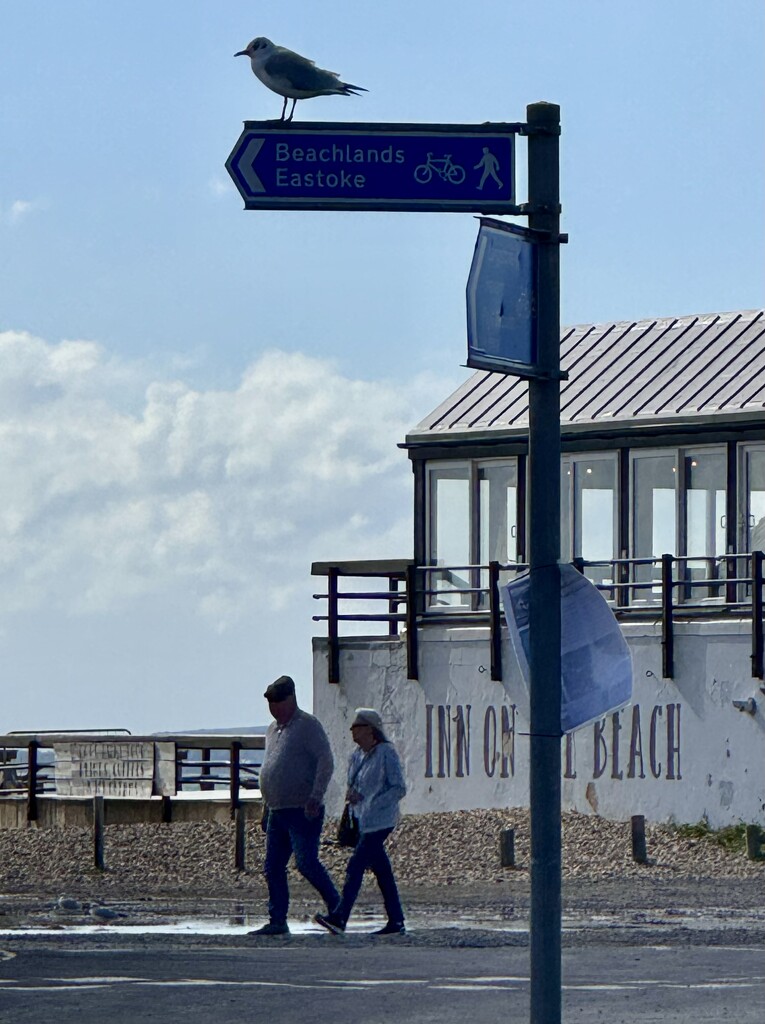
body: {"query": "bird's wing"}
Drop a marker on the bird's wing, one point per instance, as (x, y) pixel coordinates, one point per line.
(298, 71)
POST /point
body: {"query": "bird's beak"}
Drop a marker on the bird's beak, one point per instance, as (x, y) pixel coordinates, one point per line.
(242, 53)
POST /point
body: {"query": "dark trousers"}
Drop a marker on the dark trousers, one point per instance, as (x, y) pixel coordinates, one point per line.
(370, 853)
(289, 831)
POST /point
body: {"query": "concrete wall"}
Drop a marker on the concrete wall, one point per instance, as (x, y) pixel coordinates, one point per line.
(61, 812)
(680, 752)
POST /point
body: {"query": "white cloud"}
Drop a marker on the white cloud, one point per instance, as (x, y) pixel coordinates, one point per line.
(214, 500)
(220, 186)
(21, 208)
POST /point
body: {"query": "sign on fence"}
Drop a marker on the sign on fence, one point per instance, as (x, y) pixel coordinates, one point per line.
(114, 768)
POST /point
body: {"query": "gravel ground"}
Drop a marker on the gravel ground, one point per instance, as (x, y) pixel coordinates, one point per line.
(446, 861)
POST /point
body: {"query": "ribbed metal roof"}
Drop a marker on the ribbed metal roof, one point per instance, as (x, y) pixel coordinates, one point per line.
(674, 368)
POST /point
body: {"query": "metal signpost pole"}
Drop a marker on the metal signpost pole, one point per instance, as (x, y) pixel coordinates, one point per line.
(544, 603)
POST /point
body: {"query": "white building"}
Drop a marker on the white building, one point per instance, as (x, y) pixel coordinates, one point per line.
(663, 507)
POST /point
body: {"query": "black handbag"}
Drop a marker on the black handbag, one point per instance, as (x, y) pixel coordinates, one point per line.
(348, 828)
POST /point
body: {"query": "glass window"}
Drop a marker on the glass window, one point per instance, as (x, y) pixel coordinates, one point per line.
(705, 476)
(595, 508)
(566, 507)
(497, 500)
(654, 518)
(497, 519)
(448, 533)
(754, 498)
(589, 512)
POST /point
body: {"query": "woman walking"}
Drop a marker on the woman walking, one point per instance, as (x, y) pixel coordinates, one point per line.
(375, 788)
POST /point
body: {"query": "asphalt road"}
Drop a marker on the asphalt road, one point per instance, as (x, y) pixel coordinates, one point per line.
(124, 982)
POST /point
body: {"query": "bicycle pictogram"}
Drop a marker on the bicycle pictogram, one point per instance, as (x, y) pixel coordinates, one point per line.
(443, 167)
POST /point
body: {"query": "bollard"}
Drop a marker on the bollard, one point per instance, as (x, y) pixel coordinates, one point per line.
(507, 848)
(167, 810)
(239, 839)
(639, 852)
(755, 842)
(98, 832)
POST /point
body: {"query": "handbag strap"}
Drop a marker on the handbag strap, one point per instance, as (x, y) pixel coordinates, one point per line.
(361, 764)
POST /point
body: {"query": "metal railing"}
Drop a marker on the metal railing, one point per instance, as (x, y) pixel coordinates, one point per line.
(667, 588)
(214, 763)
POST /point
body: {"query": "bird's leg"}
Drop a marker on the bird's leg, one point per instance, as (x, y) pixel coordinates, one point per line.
(284, 109)
(293, 109)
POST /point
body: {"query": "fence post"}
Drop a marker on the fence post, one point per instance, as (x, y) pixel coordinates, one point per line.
(236, 746)
(639, 851)
(32, 780)
(667, 625)
(507, 848)
(758, 670)
(98, 832)
(755, 842)
(239, 839)
(495, 627)
(412, 654)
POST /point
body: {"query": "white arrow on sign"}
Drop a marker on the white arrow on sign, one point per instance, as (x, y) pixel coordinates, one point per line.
(247, 165)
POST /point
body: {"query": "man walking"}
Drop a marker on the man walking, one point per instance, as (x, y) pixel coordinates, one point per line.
(293, 780)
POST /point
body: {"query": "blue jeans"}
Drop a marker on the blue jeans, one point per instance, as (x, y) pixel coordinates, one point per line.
(289, 831)
(370, 853)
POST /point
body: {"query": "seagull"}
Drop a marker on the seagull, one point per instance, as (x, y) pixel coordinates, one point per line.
(101, 913)
(68, 903)
(292, 76)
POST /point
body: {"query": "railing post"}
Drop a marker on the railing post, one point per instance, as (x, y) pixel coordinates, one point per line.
(32, 780)
(667, 625)
(412, 666)
(393, 605)
(757, 638)
(731, 572)
(333, 650)
(236, 746)
(495, 627)
(622, 575)
(206, 752)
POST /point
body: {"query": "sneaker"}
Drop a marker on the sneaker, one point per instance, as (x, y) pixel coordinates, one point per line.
(392, 928)
(332, 924)
(271, 928)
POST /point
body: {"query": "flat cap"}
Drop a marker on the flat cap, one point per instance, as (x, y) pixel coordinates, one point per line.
(280, 689)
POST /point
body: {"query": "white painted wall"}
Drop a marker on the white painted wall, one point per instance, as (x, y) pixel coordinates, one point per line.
(680, 752)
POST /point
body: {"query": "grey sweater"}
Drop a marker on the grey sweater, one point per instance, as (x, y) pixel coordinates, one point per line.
(298, 763)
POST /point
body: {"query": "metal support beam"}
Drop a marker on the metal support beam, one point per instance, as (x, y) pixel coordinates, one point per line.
(412, 652)
(667, 623)
(495, 629)
(333, 644)
(757, 638)
(544, 597)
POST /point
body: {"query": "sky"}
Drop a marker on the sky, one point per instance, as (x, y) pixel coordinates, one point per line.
(198, 401)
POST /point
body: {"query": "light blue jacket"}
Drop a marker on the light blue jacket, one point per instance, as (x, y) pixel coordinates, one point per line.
(378, 777)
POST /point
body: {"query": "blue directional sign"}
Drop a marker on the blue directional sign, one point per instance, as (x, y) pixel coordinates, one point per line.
(501, 300)
(375, 167)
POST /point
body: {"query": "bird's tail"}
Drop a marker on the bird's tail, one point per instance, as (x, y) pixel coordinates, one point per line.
(351, 90)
